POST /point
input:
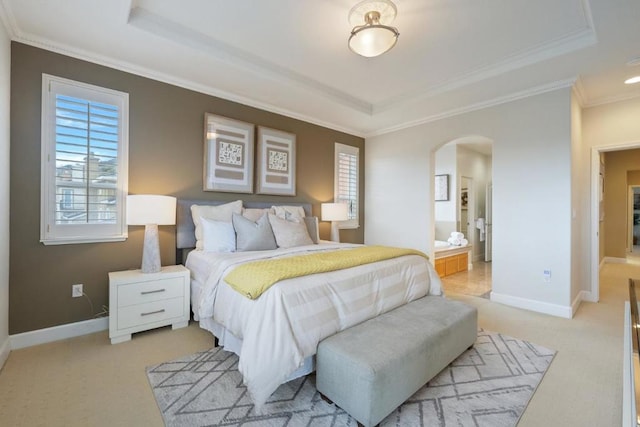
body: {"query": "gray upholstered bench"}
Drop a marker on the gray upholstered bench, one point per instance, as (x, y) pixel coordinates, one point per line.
(372, 368)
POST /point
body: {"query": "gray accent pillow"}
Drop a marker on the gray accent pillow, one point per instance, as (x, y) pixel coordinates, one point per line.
(290, 233)
(312, 227)
(253, 236)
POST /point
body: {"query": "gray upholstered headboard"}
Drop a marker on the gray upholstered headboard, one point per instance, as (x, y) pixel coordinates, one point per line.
(185, 230)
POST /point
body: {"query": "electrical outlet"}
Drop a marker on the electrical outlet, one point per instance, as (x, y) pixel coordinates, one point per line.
(547, 275)
(76, 290)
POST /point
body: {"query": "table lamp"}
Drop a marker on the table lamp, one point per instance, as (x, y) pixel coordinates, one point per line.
(334, 212)
(151, 211)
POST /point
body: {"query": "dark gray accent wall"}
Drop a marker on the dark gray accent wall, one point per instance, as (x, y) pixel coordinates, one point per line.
(165, 157)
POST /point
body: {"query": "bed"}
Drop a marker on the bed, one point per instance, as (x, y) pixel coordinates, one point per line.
(276, 334)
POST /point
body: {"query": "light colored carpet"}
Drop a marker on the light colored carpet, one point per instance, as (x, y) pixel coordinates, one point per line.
(488, 385)
(86, 381)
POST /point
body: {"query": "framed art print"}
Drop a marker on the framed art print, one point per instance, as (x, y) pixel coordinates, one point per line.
(228, 155)
(442, 188)
(276, 162)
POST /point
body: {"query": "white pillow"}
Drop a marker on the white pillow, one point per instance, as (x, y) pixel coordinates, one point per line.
(254, 214)
(218, 213)
(289, 233)
(293, 211)
(218, 236)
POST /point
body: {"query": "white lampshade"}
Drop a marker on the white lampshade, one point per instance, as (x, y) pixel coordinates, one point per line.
(334, 211)
(143, 209)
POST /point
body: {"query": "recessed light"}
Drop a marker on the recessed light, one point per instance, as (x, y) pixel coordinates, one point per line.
(632, 80)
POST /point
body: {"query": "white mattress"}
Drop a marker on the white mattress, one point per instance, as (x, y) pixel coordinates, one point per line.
(282, 328)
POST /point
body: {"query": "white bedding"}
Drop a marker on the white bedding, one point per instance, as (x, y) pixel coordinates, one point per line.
(284, 326)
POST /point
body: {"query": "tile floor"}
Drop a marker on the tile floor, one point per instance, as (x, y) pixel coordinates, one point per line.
(475, 282)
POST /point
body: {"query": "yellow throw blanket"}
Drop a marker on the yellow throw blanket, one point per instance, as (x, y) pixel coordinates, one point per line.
(254, 278)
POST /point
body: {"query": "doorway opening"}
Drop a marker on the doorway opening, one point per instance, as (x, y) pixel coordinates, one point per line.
(462, 216)
(633, 222)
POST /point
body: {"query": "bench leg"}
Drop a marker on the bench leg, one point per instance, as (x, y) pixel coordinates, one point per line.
(330, 402)
(326, 399)
(216, 343)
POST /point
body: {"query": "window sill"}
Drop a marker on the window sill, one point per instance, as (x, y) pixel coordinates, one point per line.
(80, 240)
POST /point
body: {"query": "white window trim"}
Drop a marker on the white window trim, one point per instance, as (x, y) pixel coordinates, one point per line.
(50, 233)
(347, 149)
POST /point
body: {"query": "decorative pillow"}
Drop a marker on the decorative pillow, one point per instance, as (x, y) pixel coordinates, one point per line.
(289, 233)
(253, 236)
(255, 214)
(285, 212)
(218, 213)
(312, 227)
(218, 236)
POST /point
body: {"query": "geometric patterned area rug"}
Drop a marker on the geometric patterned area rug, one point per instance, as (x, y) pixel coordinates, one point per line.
(488, 385)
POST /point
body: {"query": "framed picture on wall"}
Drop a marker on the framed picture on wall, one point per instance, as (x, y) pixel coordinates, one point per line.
(276, 159)
(228, 155)
(442, 188)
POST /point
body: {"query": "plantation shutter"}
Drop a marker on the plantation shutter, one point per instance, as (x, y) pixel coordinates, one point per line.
(346, 185)
(86, 161)
(84, 168)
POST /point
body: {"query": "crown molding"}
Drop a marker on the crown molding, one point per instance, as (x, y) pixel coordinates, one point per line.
(163, 27)
(611, 99)
(8, 19)
(537, 90)
(176, 81)
(568, 43)
(580, 93)
(178, 33)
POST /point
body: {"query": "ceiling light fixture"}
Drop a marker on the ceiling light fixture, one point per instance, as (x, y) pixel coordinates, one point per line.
(371, 35)
(632, 80)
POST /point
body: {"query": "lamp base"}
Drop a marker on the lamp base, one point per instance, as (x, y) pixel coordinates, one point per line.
(151, 250)
(335, 232)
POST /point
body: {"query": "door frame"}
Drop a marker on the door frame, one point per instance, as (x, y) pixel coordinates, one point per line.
(596, 151)
(630, 212)
(471, 209)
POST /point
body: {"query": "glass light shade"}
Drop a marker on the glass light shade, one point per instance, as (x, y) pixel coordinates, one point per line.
(143, 209)
(334, 211)
(372, 40)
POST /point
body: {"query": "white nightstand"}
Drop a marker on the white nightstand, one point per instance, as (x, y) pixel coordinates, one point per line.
(139, 301)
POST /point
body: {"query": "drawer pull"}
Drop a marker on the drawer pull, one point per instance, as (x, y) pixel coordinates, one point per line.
(152, 292)
(152, 312)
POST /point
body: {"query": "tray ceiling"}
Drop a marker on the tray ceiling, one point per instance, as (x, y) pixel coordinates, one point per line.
(291, 56)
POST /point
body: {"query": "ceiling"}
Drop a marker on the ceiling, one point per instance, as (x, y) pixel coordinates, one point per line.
(291, 56)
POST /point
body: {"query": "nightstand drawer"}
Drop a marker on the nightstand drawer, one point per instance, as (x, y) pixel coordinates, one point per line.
(151, 312)
(155, 290)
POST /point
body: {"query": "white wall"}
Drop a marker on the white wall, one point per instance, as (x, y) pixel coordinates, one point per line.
(5, 84)
(531, 193)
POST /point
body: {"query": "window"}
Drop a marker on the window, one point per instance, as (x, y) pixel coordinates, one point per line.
(84, 162)
(346, 181)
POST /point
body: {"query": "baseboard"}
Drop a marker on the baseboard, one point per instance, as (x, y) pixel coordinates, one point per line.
(533, 305)
(582, 296)
(588, 296)
(56, 333)
(5, 349)
(614, 260)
